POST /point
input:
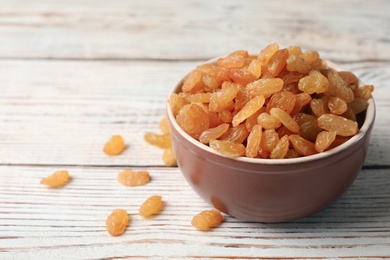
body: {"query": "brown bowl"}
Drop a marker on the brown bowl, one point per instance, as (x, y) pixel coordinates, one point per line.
(271, 190)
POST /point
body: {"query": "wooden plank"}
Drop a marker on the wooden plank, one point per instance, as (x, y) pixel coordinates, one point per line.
(190, 29)
(56, 112)
(37, 221)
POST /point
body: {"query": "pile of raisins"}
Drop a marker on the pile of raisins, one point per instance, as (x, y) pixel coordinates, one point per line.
(281, 103)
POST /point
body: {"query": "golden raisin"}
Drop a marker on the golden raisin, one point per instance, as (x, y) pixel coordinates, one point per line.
(324, 140)
(269, 140)
(152, 206)
(160, 140)
(266, 54)
(176, 102)
(115, 145)
(220, 99)
(117, 222)
(285, 119)
(228, 148)
(236, 134)
(253, 142)
(213, 133)
(255, 68)
(338, 87)
(231, 61)
(277, 62)
(337, 105)
(281, 148)
(57, 179)
(302, 146)
(164, 125)
(249, 109)
(297, 64)
(207, 219)
(267, 121)
(192, 81)
(284, 100)
(315, 82)
(338, 124)
(193, 119)
(168, 157)
(265, 87)
(133, 178)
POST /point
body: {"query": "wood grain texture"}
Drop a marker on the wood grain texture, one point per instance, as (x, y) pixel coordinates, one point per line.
(73, 73)
(62, 112)
(190, 29)
(39, 221)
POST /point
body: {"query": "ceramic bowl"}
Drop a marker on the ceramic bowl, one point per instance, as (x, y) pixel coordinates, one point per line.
(271, 190)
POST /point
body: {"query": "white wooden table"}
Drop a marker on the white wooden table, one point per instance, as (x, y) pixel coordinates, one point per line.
(73, 73)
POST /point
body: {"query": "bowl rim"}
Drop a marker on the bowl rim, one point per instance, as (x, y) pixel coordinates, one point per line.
(363, 131)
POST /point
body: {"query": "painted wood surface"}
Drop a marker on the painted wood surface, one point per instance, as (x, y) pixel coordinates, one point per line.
(73, 73)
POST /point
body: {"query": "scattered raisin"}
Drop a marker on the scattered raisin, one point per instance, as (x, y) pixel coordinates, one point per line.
(207, 219)
(152, 206)
(57, 179)
(117, 222)
(115, 145)
(133, 178)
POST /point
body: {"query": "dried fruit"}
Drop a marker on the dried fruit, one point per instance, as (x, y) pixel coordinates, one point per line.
(297, 64)
(133, 178)
(277, 62)
(253, 143)
(281, 98)
(338, 87)
(265, 87)
(164, 125)
(284, 100)
(337, 105)
(168, 157)
(117, 222)
(220, 99)
(207, 219)
(364, 92)
(193, 80)
(324, 140)
(255, 68)
(152, 206)
(160, 140)
(213, 133)
(249, 109)
(176, 102)
(267, 121)
(281, 149)
(358, 105)
(269, 140)
(311, 56)
(231, 61)
(57, 179)
(228, 148)
(302, 146)
(315, 82)
(309, 130)
(338, 124)
(236, 134)
(285, 119)
(266, 54)
(115, 145)
(193, 119)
